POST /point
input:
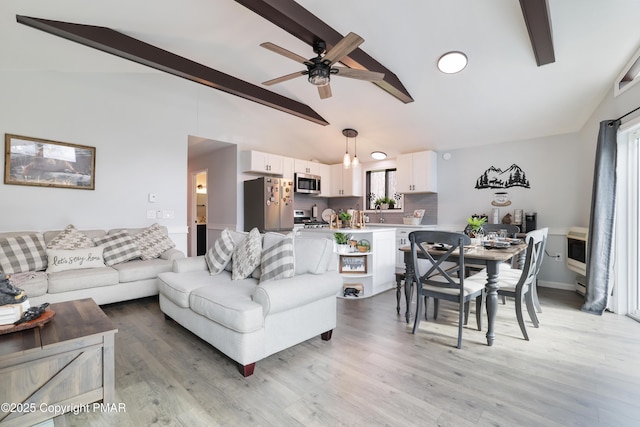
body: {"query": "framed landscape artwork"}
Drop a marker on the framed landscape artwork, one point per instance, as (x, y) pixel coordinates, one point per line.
(353, 264)
(44, 163)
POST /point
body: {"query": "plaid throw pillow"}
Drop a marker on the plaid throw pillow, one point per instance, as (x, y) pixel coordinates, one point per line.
(152, 242)
(118, 247)
(219, 255)
(21, 254)
(70, 238)
(246, 256)
(277, 261)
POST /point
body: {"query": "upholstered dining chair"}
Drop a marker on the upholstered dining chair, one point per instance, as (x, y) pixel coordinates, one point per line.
(519, 284)
(440, 280)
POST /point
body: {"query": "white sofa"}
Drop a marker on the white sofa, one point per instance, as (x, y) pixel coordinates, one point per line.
(248, 320)
(105, 284)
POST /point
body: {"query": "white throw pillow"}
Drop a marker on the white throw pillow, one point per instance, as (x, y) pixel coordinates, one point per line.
(74, 259)
(247, 255)
(70, 238)
(277, 261)
(219, 255)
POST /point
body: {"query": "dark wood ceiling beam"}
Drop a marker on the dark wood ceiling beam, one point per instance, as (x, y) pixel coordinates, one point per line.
(299, 22)
(116, 43)
(538, 21)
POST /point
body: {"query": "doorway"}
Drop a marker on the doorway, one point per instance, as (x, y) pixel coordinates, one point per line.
(201, 212)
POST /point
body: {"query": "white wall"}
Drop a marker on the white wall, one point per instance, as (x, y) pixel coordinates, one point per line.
(140, 134)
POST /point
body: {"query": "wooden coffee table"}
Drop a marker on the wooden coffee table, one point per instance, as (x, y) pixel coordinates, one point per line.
(59, 367)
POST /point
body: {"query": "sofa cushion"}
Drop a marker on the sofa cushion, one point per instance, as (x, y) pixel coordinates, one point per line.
(219, 255)
(22, 253)
(63, 259)
(33, 283)
(135, 270)
(177, 287)
(277, 261)
(71, 280)
(246, 255)
(152, 242)
(313, 255)
(70, 238)
(118, 247)
(230, 305)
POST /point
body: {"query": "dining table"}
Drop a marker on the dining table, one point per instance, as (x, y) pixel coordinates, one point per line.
(490, 257)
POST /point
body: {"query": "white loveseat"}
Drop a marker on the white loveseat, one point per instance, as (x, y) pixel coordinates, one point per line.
(135, 278)
(247, 319)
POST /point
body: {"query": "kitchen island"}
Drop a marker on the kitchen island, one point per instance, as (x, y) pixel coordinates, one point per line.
(372, 271)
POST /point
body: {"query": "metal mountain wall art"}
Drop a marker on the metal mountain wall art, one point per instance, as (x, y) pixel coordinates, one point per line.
(497, 178)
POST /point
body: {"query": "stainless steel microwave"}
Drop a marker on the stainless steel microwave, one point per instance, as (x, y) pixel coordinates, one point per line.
(307, 183)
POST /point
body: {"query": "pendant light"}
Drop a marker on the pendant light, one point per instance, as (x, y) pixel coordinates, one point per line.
(350, 133)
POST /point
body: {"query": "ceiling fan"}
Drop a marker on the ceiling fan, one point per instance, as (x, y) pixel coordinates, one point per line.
(319, 69)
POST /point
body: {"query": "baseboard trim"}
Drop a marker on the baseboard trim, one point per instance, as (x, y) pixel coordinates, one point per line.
(557, 285)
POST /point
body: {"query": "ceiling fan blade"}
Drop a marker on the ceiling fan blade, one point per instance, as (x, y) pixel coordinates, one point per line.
(284, 78)
(284, 52)
(371, 76)
(344, 47)
(324, 91)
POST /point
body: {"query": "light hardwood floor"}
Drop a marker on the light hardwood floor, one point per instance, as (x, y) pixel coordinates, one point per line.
(577, 370)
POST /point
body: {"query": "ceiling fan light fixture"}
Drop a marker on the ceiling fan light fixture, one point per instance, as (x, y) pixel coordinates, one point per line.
(452, 62)
(319, 76)
(378, 155)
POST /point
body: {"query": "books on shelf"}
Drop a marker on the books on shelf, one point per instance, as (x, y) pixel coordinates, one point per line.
(9, 313)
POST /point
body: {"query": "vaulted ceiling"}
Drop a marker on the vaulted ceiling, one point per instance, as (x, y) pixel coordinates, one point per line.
(502, 95)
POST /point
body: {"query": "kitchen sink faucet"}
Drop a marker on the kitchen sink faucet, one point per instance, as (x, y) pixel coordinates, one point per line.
(379, 211)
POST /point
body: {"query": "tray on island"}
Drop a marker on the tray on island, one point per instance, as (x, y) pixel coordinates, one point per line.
(44, 318)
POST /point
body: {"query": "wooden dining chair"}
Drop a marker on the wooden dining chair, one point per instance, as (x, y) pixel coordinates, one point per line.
(519, 283)
(440, 280)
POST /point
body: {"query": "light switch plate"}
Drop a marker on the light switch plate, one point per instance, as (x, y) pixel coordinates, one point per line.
(151, 214)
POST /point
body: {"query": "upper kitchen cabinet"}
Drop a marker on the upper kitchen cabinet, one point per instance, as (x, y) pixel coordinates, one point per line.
(306, 166)
(345, 182)
(264, 163)
(325, 179)
(288, 167)
(417, 172)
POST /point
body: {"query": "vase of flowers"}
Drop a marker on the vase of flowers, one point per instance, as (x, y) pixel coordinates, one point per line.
(474, 227)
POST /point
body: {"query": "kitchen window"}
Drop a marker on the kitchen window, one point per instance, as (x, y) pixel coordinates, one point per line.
(382, 183)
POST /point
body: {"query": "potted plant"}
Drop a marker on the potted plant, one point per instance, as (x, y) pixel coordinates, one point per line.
(342, 242)
(364, 245)
(345, 217)
(391, 202)
(382, 202)
(474, 226)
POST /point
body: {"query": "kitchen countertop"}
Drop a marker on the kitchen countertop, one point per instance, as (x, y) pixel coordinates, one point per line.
(351, 230)
(389, 225)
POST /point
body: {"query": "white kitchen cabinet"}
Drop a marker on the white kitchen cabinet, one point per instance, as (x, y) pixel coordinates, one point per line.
(325, 180)
(346, 182)
(402, 240)
(306, 166)
(288, 167)
(417, 172)
(264, 163)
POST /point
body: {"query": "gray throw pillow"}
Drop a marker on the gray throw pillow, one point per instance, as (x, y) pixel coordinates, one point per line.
(118, 247)
(247, 255)
(277, 261)
(219, 255)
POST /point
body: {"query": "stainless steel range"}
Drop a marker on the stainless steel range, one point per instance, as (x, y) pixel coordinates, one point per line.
(302, 219)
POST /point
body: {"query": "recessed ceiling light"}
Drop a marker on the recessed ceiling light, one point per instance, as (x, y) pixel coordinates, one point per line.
(378, 155)
(452, 62)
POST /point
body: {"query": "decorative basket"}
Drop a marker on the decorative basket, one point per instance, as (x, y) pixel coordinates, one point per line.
(411, 221)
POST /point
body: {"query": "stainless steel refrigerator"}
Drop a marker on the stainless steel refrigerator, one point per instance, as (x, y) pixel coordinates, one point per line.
(268, 204)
